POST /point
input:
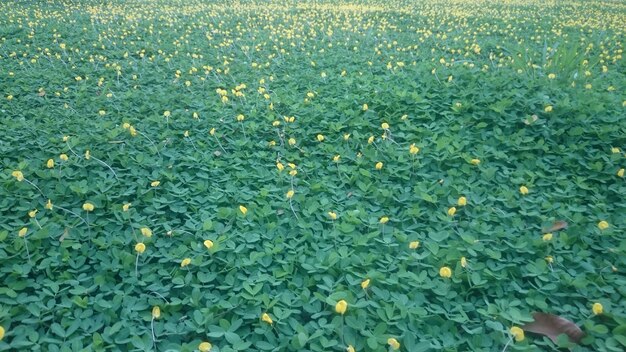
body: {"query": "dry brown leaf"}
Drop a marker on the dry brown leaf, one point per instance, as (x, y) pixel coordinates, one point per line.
(552, 326)
(556, 226)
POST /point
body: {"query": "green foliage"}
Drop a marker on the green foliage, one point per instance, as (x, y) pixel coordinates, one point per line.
(495, 96)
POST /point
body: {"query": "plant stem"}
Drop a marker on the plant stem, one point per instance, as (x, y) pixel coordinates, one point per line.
(107, 165)
(153, 338)
(294, 212)
(220, 144)
(507, 344)
(27, 252)
(343, 342)
(34, 185)
(151, 142)
(71, 212)
(136, 265)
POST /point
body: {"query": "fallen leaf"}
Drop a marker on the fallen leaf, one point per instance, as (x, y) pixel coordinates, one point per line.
(556, 226)
(64, 235)
(552, 326)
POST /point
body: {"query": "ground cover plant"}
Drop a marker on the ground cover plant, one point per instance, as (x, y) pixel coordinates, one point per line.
(312, 176)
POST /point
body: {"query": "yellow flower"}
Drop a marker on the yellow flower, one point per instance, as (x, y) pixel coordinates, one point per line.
(549, 259)
(320, 138)
(126, 126)
(517, 333)
(240, 117)
(48, 205)
(445, 272)
(166, 113)
(379, 165)
(156, 312)
(463, 262)
(291, 165)
(186, 133)
(597, 308)
(205, 347)
(133, 131)
(293, 172)
(451, 211)
(146, 232)
(33, 213)
(548, 108)
(66, 138)
(414, 244)
(243, 209)
(346, 136)
(413, 149)
(1, 333)
(102, 112)
(615, 150)
(22, 232)
(393, 343)
(88, 207)
(523, 190)
(126, 206)
(185, 262)
(291, 141)
(365, 284)
(475, 161)
(385, 126)
(552, 76)
(140, 248)
(212, 131)
(280, 166)
(50, 164)
(19, 176)
(155, 183)
(266, 318)
(620, 172)
(87, 154)
(350, 349)
(370, 140)
(365, 107)
(208, 244)
(195, 115)
(603, 225)
(547, 237)
(462, 201)
(63, 157)
(341, 307)
(336, 158)
(332, 215)
(384, 220)
(290, 194)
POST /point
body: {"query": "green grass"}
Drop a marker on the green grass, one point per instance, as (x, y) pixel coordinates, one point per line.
(496, 96)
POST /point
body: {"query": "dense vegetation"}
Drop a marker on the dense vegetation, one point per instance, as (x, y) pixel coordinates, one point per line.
(311, 176)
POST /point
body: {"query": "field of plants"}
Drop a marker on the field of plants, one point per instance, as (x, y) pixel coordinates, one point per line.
(186, 175)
